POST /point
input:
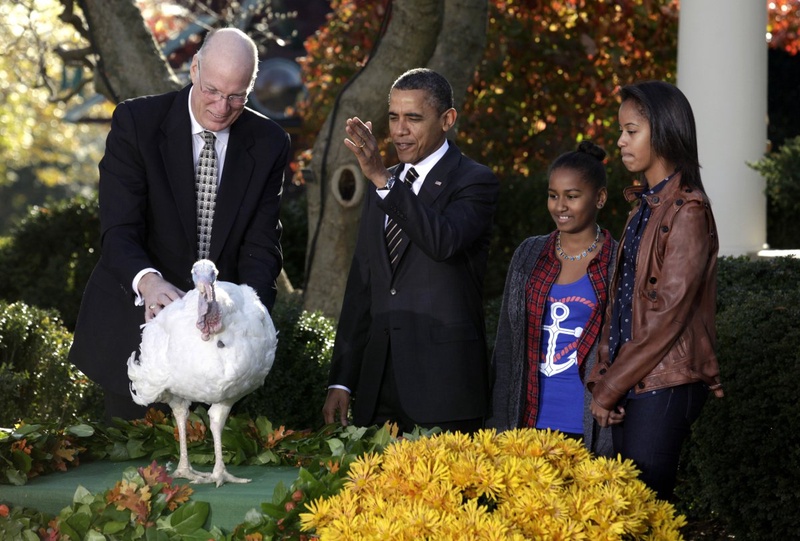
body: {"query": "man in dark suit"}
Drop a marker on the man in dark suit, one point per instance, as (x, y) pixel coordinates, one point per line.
(411, 345)
(149, 207)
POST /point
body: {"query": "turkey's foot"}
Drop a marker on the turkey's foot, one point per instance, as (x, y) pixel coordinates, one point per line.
(222, 476)
(192, 475)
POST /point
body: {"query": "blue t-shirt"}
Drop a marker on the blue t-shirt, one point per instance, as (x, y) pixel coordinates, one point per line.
(568, 309)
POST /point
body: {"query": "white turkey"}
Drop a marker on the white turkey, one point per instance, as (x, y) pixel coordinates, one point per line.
(214, 346)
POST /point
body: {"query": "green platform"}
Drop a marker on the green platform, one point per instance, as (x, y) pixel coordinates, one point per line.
(229, 503)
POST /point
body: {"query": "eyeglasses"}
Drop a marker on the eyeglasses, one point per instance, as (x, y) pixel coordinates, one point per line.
(234, 100)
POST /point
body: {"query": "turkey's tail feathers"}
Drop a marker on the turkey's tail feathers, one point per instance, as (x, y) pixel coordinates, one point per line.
(142, 392)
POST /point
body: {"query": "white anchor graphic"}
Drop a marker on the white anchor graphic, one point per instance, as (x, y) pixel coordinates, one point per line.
(558, 312)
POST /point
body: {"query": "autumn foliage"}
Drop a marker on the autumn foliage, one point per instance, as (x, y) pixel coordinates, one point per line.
(784, 25)
(547, 78)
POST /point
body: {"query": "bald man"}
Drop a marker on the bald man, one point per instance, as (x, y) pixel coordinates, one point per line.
(150, 232)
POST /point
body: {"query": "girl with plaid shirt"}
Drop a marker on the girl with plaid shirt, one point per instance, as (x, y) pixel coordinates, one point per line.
(554, 299)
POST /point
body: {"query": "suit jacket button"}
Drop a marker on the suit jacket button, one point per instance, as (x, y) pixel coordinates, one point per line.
(641, 385)
(393, 291)
(602, 371)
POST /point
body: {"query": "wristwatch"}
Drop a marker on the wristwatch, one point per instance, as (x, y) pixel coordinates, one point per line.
(389, 184)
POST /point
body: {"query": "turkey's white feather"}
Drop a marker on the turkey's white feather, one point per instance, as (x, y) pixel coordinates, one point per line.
(188, 354)
(175, 361)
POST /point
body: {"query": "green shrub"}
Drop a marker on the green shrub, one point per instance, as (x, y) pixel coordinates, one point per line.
(50, 255)
(781, 170)
(294, 240)
(743, 459)
(36, 379)
(737, 276)
(295, 389)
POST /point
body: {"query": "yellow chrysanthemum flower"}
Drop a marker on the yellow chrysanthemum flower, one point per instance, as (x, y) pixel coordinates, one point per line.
(318, 515)
(520, 484)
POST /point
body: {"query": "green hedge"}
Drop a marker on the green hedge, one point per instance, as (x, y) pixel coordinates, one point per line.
(49, 256)
(781, 171)
(295, 389)
(36, 380)
(742, 463)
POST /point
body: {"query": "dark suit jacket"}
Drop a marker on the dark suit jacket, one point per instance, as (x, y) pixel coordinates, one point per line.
(148, 219)
(430, 311)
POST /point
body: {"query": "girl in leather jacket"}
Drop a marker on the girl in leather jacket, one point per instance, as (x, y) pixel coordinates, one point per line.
(657, 360)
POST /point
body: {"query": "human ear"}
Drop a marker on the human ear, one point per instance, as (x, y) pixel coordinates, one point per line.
(449, 119)
(602, 196)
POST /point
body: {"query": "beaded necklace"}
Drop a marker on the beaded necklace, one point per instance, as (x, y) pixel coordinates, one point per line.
(584, 253)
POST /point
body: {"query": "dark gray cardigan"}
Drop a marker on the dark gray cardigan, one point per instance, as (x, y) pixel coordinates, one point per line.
(509, 358)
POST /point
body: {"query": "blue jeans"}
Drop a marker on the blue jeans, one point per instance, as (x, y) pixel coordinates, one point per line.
(653, 432)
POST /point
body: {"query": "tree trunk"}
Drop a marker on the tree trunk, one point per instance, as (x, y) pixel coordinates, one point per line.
(131, 63)
(445, 35)
(461, 45)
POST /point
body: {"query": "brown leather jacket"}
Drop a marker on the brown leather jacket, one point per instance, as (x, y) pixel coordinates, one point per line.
(674, 306)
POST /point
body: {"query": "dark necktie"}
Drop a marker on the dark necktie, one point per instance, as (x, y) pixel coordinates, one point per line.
(394, 235)
(206, 179)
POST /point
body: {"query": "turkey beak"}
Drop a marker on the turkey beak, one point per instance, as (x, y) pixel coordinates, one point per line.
(207, 291)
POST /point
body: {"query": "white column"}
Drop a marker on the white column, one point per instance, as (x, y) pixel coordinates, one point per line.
(722, 69)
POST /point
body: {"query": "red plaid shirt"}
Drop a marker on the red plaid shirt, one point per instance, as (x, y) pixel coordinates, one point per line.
(542, 278)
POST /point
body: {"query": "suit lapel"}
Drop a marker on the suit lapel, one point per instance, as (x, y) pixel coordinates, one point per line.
(436, 181)
(236, 176)
(177, 156)
(433, 185)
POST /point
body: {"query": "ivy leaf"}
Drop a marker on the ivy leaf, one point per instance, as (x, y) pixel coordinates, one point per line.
(131, 475)
(280, 492)
(163, 452)
(267, 457)
(111, 527)
(92, 535)
(16, 477)
(264, 426)
(25, 430)
(81, 430)
(136, 448)
(202, 458)
(119, 451)
(188, 518)
(82, 496)
(336, 446)
(384, 436)
(67, 531)
(78, 522)
(22, 460)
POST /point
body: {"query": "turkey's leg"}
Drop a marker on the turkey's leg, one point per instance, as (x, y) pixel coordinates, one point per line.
(217, 415)
(180, 409)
